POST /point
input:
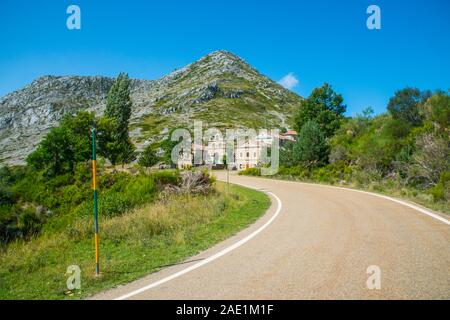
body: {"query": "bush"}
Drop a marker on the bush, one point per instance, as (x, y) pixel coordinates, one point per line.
(431, 158)
(17, 222)
(323, 174)
(6, 196)
(126, 192)
(148, 157)
(294, 172)
(29, 223)
(67, 196)
(250, 172)
(126, 195)
(441, 191)
(165, 177)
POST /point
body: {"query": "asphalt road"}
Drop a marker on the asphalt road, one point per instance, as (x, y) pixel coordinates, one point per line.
(315, 242)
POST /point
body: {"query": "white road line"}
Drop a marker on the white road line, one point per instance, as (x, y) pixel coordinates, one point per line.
(410, 205)
(209, 259)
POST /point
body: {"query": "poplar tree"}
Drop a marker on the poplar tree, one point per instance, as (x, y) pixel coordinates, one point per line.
(118, 109)
(118, 104)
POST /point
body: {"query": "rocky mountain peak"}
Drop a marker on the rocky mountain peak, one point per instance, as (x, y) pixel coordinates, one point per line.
(223, 57)
(220, 89)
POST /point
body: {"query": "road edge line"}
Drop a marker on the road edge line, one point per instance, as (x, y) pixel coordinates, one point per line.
(402, 202)
(214, 256)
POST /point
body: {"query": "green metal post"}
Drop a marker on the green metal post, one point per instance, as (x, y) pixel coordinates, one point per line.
(94, 187)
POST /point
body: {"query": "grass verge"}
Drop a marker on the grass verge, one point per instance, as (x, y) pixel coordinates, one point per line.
(132, 245)
(412, 195)
(342, 175)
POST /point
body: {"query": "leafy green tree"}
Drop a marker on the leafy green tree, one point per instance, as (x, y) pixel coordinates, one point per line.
(367, 113)
(438, 110)
(128, 153)
(167, 146)
(286, 154)
(311, 148)
(325, 107)
(108, 144)
(148, 157)
(64, 145)
(405, 105)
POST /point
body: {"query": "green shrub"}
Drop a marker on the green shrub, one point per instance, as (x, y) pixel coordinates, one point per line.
(165, 177)
(68, 196)
(6, 196)
(441, 191)
(126, 192)
(294, 172)
(250, 172)
(29, 223)
(148, 157)
(323, 174)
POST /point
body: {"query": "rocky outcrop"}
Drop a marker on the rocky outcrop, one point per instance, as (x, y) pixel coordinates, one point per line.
(28, 114)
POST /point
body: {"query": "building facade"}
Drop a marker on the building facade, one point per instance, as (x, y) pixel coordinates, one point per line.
(247, 153)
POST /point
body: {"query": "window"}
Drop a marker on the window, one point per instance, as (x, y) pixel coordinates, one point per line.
(248, 154)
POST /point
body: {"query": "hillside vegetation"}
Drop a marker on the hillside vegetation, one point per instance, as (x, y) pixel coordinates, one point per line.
(148, 219)
(404, 152)
(133, 243)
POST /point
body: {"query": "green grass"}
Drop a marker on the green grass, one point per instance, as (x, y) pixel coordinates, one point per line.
(132, 245)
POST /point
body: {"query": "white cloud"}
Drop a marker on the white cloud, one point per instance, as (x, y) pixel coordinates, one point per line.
(289, 81)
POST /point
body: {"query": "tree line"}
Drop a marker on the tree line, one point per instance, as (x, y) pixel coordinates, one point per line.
(70, 142)
(408, 145)
(57, 176)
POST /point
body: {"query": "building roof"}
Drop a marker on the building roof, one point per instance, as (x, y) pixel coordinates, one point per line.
(287, 137)
(291, 133)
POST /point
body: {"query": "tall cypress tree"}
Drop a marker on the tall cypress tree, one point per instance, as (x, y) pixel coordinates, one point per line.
(118, 105)
(118, 109)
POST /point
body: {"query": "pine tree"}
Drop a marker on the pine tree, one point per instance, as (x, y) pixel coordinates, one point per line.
(325, 107)
(148, 157)
(311, 148)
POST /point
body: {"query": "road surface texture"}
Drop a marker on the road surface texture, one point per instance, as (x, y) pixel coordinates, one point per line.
(318, 244)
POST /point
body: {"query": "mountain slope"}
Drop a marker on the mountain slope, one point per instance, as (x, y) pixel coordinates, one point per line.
(220, 89)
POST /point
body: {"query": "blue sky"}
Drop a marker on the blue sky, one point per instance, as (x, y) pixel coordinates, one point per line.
(316, 41)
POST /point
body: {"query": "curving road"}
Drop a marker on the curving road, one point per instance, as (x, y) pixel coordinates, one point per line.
(315, 242)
